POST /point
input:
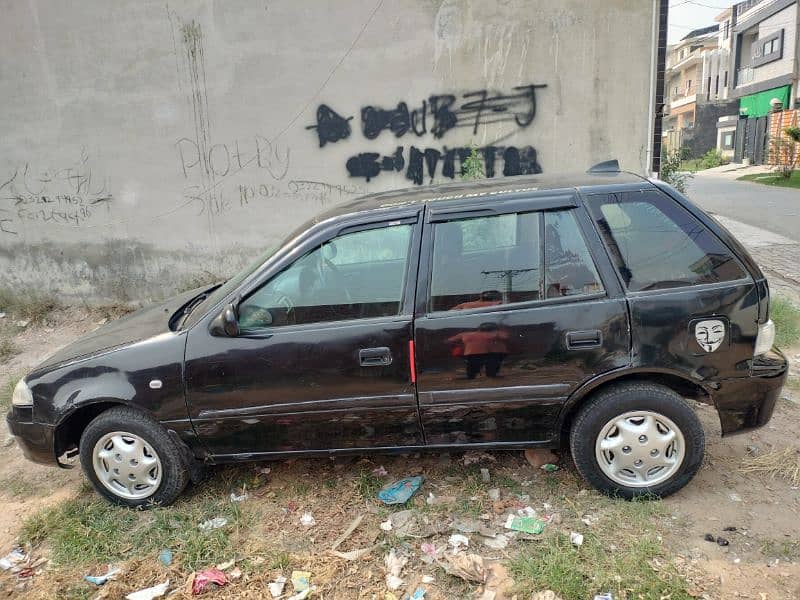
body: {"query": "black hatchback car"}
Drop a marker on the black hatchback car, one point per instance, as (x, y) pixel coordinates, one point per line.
(524, 312)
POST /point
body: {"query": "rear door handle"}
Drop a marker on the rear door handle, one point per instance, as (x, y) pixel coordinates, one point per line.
(374, 357)
(579, 340)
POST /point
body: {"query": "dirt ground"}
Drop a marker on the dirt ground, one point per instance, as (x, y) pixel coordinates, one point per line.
(760, 562)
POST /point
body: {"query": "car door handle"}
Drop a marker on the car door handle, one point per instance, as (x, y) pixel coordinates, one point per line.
(579, 340)
(374, 357)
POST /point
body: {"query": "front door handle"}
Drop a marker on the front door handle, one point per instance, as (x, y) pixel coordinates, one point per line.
(580, 340)
(374, 357)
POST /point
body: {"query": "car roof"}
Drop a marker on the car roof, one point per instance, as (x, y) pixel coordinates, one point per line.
(498, 188)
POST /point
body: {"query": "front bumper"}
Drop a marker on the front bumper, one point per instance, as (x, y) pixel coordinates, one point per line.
(745, 403)
(35, 439)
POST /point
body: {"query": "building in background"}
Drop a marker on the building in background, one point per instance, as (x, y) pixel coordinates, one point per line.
(697, 78)
(764, 57)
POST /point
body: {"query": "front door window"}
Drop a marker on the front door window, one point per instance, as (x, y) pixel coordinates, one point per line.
(353, 276)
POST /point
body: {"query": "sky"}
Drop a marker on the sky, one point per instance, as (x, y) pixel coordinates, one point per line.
(686, 15)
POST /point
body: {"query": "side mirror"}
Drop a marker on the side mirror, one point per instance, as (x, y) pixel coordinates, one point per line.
(225, 324)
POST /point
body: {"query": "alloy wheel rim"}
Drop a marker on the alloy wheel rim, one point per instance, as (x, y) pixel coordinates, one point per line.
(640, 449)
(127, 465)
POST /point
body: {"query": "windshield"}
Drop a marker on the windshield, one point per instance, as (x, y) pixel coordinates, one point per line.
(235, 281)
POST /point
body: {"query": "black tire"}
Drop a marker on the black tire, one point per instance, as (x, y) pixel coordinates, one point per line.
(626, 397)
(174, 471)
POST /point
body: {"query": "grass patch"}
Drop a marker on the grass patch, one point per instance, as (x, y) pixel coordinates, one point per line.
(367, 484)
(692, 165)
(624, 556)
(787, 321)
(87, 530)
(28, 305)
(774, 179)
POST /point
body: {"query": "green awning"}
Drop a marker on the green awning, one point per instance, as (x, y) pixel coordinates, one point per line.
(758, 105)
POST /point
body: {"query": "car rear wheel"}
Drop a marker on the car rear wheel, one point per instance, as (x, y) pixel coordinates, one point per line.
(637, 439)
(131, 460)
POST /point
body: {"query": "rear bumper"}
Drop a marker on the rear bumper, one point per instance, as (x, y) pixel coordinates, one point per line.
(745, 403)
(35, 439)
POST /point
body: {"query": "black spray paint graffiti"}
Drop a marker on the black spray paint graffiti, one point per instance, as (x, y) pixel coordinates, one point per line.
(516, 161)
(437, 115)
(439, 112)
(66, 196)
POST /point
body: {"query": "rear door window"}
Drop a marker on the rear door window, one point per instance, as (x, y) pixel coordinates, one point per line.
(512, 258)
(486, 261)
(657, 244)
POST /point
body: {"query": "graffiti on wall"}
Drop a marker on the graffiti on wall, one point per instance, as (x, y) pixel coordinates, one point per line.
(70, 195)
(436, 116)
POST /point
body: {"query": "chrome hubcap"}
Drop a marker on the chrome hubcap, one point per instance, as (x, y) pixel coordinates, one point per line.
(127, 465)
(640, 449)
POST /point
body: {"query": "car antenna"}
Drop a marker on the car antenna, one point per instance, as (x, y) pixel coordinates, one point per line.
(608, 166)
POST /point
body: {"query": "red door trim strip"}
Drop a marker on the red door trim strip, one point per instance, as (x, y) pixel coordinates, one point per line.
(412, 361)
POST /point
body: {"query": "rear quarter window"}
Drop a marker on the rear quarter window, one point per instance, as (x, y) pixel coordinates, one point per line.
(657, 244)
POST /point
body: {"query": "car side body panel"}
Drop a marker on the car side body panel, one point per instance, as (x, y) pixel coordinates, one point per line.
(646, 334)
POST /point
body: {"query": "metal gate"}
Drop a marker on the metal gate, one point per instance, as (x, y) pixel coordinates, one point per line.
(752, 140)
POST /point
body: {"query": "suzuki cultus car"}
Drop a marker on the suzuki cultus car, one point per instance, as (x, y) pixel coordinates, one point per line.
(536, 312)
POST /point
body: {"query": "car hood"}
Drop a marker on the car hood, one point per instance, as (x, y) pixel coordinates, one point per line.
(135, 327)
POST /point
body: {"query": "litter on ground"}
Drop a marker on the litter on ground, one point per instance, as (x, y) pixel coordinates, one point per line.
(400, 491)
(466, 566)
(213, 524)
(103, 579)
(394, 567)
(165, 557)
(458, 541)
(202, 579)
(157, 591)
(524, 524)
(276, 587)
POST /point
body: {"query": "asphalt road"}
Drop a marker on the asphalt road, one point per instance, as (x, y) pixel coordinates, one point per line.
(772, 208)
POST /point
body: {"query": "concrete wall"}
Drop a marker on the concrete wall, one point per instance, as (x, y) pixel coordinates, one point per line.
(147, 145)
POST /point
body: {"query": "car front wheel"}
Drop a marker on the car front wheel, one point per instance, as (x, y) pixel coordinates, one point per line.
(131, 460)
(637, 439)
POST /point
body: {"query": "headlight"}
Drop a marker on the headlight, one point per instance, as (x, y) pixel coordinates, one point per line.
(22, 394)
(765, 338)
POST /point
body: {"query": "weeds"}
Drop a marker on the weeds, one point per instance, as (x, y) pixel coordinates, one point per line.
(786, 317)
(784, 464)
(18, 487)
(784, 549)
(28, 305)
(7, 390)
(281, 560)
(7, 348)
(472, 168)
(198, 280)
